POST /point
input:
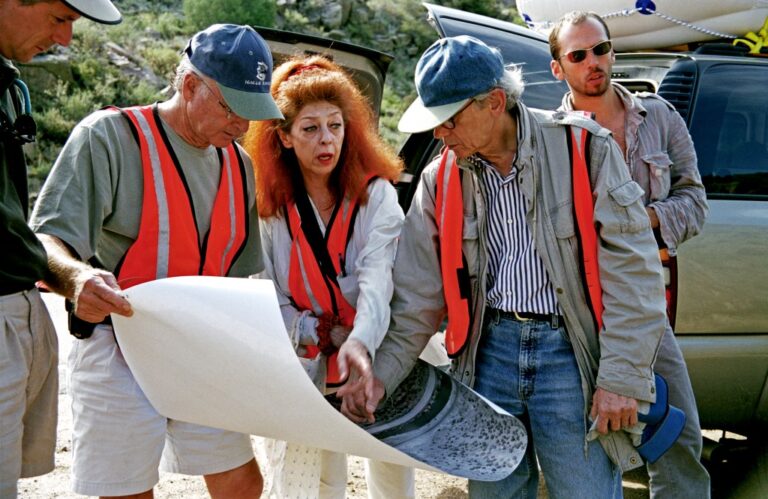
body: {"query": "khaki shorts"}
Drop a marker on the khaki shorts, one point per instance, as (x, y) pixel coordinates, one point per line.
(29, 389)
(119, 439)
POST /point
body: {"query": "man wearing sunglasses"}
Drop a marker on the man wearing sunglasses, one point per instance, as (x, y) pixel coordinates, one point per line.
(659, 152)
(139, 194)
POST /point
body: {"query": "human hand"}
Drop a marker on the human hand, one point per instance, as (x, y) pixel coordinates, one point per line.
(360, 398)
(652, 216)
(612, 411)
(339, 335)
(97, 295)
(353, 360)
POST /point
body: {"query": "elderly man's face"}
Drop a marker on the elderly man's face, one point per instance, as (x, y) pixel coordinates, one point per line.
(471, 130)
(212, 121)
(27, 30)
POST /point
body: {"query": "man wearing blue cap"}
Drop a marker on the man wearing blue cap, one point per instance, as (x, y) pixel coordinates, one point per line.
(140, 194)
(496, 238)
(28, 348)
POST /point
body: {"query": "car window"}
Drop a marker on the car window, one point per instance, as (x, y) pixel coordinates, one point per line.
(730, 129)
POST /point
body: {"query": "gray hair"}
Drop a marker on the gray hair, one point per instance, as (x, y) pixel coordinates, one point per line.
(512, 84)
(184, 68)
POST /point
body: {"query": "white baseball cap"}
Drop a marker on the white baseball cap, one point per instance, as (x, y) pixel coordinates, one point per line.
(101, 11)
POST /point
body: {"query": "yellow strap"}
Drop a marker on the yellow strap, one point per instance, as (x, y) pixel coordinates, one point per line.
(755, 41)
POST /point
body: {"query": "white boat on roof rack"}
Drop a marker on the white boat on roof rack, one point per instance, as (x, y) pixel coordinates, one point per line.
(646, 24)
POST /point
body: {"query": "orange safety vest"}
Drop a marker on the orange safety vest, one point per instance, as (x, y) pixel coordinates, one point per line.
(317, 289)
(449, 215)
(168, 243)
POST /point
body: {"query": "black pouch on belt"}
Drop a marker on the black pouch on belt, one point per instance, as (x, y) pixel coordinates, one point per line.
(79, 328)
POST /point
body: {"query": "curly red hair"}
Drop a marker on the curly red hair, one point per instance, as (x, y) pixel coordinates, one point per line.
(296, 83)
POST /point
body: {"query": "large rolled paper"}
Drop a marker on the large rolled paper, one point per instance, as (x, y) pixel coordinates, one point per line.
(214, 351)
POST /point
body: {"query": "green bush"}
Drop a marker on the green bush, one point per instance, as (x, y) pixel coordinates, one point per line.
(202, 13)
(162, 60)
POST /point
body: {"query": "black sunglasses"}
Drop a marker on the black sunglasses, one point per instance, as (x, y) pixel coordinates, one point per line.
(578, 55)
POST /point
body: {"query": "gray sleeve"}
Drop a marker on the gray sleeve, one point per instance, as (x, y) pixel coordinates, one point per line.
(634, 315)
(682, 213)
(418, 306)
(78, 195)
(376, 232)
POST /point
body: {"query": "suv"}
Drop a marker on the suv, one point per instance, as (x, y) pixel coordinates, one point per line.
(722, 304)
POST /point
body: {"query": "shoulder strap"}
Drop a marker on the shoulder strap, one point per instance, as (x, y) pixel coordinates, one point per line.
(578, 140)
(313, 235)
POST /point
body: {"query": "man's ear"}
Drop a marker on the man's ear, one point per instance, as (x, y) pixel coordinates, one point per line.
(557, 69)
(497, 101)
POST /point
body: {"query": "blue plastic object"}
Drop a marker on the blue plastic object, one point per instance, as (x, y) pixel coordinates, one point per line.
(664, 424)
(646, 7)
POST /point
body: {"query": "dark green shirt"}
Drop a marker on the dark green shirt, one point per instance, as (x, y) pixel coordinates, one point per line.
(22, 257)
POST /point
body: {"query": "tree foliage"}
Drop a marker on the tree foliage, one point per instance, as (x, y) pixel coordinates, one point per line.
(155, 31)
(202, 13)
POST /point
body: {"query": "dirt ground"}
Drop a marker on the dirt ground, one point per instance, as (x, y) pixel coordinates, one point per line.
(172, 486)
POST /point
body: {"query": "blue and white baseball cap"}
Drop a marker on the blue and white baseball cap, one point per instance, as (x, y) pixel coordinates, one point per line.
(101, 11)
(240, 62)
(450, 73)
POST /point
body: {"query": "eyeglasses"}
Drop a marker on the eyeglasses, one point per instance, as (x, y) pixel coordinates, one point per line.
(450, 123)
(578, 55)
(223, 104)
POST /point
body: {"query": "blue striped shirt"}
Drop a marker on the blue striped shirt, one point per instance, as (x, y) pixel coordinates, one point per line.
(517, 280)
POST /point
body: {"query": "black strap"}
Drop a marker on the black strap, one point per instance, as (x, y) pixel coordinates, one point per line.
(314, 236)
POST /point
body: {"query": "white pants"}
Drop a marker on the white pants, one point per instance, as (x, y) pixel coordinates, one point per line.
(385, 480)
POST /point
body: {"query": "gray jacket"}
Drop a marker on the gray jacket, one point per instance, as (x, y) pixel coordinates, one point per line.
(662, 159)
(620, 357)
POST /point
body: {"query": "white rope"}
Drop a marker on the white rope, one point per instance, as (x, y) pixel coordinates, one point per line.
(543, 26)
(685, 24)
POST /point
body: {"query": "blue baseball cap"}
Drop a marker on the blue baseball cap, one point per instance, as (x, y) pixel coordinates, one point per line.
(450, 73)
(240, 62)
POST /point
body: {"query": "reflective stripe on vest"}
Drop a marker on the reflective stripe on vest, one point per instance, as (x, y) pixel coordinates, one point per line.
(168, 243)
(309, 287)
(449, 213)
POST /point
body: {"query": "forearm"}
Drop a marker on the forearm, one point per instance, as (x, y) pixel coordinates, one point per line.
(631, 281)
(681, 216)
(93, 291)
(682, 213)
(63, 267)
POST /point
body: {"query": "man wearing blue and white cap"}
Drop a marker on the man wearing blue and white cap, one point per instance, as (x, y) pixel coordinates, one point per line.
(29, 377)
(140, 194)
(503, 252)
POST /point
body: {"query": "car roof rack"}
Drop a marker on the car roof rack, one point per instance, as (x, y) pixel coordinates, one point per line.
(722, 48)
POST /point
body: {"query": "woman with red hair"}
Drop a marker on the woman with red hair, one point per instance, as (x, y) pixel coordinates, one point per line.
(329, 227)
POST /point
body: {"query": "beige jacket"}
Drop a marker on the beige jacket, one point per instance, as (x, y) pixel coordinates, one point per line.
(620, 357)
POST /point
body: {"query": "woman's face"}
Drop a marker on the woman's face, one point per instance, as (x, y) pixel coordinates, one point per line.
(316, 136)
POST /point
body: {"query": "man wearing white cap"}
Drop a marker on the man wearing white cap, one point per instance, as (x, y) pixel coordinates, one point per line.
(495, 239)
(28, 346)
(140, 194)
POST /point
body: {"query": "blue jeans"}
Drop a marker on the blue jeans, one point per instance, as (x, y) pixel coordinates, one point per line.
(529, 369)
(679, 473)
